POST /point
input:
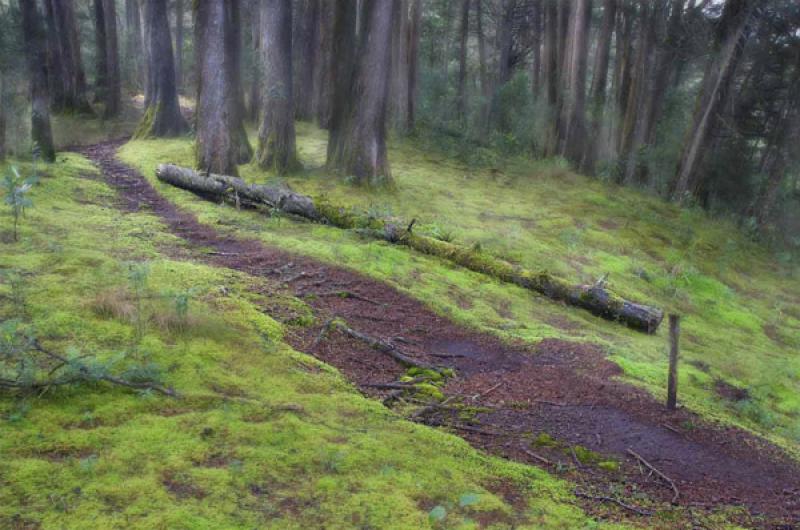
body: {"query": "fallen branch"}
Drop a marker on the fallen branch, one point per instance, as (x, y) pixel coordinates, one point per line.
(634, 509)
(346, 294)
(430, 408)
(596, 298)
(487, 392)
(657, 472)
(533, 455)
(383, 347)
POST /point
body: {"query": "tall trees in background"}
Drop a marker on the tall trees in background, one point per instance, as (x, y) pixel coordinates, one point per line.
(162, 116)
(134, 73)
(362, 92)
(221, 139)
(731, 34)
(461, 98)
(34, 38)
(108, 82)
(65, 67)
(306, 46)
(276, 137)
(179, 41)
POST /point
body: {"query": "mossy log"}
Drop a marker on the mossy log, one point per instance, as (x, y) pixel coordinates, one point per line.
(597, 298)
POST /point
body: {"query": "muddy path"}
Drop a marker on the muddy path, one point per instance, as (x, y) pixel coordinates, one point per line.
(568, 391)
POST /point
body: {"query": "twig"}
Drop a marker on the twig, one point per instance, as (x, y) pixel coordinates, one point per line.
(447, 355)
(301, 274)
(486, 392)
(430, 408)
(390, 386)
(384, 347)
(533, 455)
(657, 472)
(215, 253)
(347, 294)
(671, 428)
(551, 403)
(618, 502)
(322, 333)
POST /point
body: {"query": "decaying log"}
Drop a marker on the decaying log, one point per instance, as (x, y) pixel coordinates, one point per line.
(596, 298)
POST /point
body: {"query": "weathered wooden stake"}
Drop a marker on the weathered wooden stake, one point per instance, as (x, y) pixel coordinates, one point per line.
(674, 338)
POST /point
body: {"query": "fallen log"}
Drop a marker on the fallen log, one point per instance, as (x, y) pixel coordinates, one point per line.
(596, 298)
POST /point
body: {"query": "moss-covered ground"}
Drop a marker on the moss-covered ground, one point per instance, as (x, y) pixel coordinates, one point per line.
(262, 436)
(739, 301)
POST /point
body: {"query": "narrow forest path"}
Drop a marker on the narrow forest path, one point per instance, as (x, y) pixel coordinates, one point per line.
(566, 390)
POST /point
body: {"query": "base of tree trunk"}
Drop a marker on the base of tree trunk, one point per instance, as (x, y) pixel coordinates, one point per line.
(596, 298)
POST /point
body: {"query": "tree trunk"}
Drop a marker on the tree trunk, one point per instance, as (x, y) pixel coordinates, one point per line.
(714, 92)
(551, 66)
(599, 84)
(162, 116)
(486, 82)
(536, 61)
(276, 138)
(2, 116)
(101, 55)
(573, 108)
(133, 45)
(72, 77)
(256, 75)
(221, 139)
(414, 32)
(595, 298)
(461, 98)
(343, 56)
(308, 40)
(623, 68)
(323, 73)
(179, 44)
(34, 38)
(398, 99)
(362, 152)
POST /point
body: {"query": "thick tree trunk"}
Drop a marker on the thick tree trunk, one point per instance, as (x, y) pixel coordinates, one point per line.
(308, 49)
(714, 92)
(34, 38)
(414, 32)
(179, 44)
(623, 69)
(221, 139)
(162, 116)
(551, 66)
(595, 298)
(599, 83)
(256, 75)
(323, 66)
(71, 76)
(276, 137)
(133, 45)
(344, 50)
(362, 144)
(461, 97)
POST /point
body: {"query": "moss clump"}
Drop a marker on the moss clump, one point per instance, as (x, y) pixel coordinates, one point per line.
(545, 440)
(584, 455)
(609, 465)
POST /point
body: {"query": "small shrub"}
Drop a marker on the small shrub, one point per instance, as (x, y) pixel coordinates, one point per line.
(16, 196)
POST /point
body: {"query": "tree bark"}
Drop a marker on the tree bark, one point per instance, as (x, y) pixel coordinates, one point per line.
(133, 45)
(398, 98)
(101, 55)
(714, 92)
(414, 32)
(536, 60)
(323, 66)
(461, 98)
(597, 298)
(572, 133)
(362, 145)
(256, 75)
(221, 138)
(308, 40)
(485, 76)
(70, 75)
(276, 137)
(162, 116)
(599, 83)
(2, 115)
(551, 65)
(343, 57)
(179, 44)
(107, 85)
(34, 38)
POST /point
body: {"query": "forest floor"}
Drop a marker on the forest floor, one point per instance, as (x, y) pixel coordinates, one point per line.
(558, 404)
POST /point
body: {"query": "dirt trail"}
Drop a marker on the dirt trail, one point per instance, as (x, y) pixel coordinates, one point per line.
(566, 390)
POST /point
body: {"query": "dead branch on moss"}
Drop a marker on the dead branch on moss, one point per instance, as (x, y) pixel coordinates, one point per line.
(653, 469)
(596, 298)
(602, 498)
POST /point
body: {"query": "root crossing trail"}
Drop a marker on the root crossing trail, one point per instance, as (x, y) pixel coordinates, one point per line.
(566, 390)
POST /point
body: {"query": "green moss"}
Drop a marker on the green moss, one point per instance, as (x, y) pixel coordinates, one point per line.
(545, 440)
(263, 436)
(609, 465)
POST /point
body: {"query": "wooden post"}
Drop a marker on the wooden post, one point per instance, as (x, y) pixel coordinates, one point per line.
(674, 338)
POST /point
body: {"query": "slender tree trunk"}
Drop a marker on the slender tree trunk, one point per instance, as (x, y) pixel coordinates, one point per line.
(716, 87)
(398, 92)
(308, 40)
(623, 69)
(461, 98)
(276, 138)
(101, 55)
(323, 66)
(572, 132)
(2, 116)
(34, 38)
(133, 45)
(599, 84)
(551, 65)
(73, 78)
(55, 64)
(363, 142)
(486, 78)
(414, 32)
(113, 100)
(256, 75)
(536, 61)
(179, 44)
(505, 41)
(162, 116)
(343, 56)
(221, 139)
